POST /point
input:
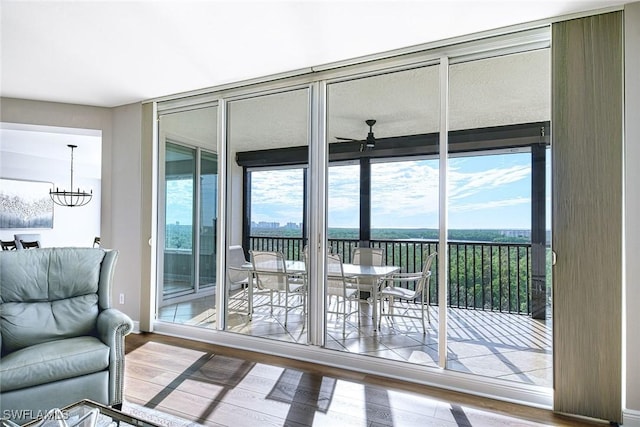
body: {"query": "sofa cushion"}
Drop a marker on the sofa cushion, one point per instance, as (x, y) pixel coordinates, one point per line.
(53, 361)
(27, 324)
(48, 294)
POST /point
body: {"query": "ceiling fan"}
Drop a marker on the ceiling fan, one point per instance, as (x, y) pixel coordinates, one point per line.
(368, 143)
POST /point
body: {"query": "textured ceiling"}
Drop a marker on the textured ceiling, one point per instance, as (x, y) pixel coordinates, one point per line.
(490, 92)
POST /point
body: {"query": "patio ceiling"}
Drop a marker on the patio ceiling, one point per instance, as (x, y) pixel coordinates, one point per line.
(492, 92)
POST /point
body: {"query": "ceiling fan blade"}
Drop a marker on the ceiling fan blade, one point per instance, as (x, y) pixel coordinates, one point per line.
(366, 144)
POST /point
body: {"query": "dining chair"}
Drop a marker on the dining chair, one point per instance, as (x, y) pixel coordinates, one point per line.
(338, 287)
(367, 256)
(8, 245)
(29, 245)
(399, 292)
(238, 276)
(31, 237)
(271, 276)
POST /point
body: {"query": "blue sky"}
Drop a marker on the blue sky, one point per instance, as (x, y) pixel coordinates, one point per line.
(484, 192)
(180, 200)
(492, 192)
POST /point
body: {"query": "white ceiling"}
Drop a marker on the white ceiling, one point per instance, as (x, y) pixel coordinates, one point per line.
(110, 53)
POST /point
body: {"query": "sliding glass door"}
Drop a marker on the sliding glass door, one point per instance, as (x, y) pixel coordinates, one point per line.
(403, 207)
(268, 153)
(383, 180)
(499, 318)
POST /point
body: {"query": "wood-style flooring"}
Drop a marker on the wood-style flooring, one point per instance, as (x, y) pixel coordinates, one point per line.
(220, 386)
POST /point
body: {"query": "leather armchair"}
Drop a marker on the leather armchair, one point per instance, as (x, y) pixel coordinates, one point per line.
(61, 341)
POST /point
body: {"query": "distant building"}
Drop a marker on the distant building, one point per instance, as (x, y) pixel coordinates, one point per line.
(265, 224)
(516, 233)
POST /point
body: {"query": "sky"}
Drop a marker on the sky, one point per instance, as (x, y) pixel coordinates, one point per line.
(180, 200)
(485, 192)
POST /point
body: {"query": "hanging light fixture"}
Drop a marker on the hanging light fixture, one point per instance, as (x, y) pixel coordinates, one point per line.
(70, 198)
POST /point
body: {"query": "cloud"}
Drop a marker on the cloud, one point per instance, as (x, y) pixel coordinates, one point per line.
(463, 184)
(179, 201)
(405, 188)
(277, 187)
(404, 193)
(493, 204)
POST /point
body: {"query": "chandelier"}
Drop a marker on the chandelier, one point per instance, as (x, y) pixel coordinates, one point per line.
(70, 198)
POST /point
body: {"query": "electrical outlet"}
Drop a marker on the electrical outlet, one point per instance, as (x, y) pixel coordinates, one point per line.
(121, 298)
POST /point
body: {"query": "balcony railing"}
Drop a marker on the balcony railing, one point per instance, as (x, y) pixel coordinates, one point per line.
(481, 276)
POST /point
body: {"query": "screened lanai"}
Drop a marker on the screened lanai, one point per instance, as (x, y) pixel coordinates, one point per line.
(388, 195)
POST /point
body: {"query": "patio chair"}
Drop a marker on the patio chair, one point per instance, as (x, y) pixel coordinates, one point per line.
(271, 276)
(396, 294)
(345, 294)
(367, 256)
(238, 276)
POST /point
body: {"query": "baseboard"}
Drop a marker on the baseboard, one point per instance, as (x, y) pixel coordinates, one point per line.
(631, 418)
(136, 327)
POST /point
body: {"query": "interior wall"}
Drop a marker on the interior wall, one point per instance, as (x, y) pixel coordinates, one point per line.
(126, 207)
(148, 219)
(632, 209)
(116, 203)
(32, 154)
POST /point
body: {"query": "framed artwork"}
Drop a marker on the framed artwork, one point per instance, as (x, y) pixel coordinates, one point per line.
(25, 204)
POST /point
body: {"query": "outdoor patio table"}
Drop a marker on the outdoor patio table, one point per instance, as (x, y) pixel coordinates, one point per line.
(350, 270)
(377, 272)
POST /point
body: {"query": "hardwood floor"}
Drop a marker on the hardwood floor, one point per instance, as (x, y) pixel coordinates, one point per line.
(220, 386)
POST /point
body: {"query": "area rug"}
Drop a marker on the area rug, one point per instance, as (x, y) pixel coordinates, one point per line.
(156, 416)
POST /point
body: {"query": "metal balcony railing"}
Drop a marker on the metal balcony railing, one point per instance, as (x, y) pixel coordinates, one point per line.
(481, 276)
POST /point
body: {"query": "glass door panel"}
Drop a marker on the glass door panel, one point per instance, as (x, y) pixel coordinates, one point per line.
(268, 139)
(180, 170)
(382, 136)
(208, 218)
(188, 215)
(499, 318)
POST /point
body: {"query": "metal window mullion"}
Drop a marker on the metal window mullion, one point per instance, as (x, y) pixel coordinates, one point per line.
(443, 222)
(162, 215)
(196, 221)
(222, 227)
(318, 170)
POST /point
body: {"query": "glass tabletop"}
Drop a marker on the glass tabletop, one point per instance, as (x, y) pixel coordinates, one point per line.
(85, 413)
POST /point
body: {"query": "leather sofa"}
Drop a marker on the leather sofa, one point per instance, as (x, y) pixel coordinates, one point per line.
(61, 340)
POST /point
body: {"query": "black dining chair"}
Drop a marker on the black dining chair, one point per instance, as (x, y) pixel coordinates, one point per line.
(8, 245)
(29, 245)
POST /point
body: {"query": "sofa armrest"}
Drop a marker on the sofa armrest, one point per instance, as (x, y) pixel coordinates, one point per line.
(112, 327)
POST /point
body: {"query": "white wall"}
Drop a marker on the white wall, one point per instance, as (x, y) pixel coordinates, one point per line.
(27, 153)
(125, 209)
